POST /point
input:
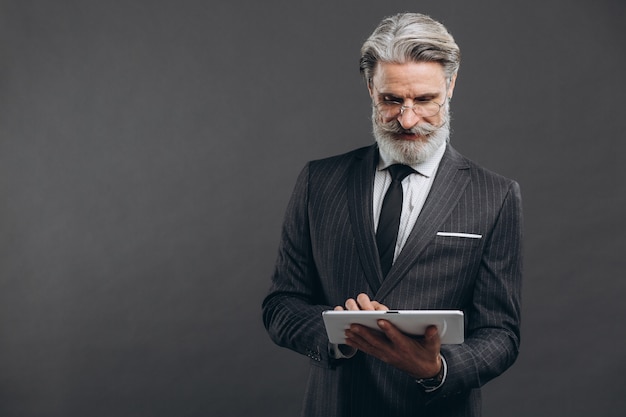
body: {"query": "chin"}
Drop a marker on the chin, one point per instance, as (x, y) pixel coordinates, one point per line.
(410, 151)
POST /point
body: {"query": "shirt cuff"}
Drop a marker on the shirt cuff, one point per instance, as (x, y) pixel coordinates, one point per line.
(341, 351)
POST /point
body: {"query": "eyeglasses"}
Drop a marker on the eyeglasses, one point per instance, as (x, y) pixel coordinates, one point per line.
(393, 109)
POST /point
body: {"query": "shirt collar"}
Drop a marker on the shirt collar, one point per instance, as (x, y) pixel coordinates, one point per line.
(426, 168)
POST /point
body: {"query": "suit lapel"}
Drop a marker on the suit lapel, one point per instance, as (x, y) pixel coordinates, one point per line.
(360, 185)
(452, 178)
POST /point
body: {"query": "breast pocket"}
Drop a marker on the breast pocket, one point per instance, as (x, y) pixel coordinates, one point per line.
(461, 239)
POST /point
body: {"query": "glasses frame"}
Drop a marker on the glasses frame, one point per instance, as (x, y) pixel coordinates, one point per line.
(402, 107)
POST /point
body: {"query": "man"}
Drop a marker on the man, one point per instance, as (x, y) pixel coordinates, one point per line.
(458, 246)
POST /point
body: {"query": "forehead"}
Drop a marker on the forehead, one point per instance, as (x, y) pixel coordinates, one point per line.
(409, 79)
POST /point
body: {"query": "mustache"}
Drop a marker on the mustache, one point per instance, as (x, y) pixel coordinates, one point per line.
(394, 127)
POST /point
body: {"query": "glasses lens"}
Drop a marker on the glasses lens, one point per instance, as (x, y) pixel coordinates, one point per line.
(427, 109)
(391, 110)
(388, 110)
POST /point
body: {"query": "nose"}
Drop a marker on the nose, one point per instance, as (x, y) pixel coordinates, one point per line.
(407, 118)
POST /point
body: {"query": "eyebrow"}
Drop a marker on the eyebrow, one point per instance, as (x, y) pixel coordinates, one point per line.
(429, 96)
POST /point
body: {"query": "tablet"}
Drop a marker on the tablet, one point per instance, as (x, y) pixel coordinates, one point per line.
(414, 322)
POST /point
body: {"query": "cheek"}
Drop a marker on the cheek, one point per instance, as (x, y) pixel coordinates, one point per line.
(433, 120)
(384, 120)
(377, 119)
(436, 120)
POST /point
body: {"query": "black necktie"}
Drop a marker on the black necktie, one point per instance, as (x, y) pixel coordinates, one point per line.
(389, 220)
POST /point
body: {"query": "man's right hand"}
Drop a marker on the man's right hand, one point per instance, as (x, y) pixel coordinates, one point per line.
(362, 302)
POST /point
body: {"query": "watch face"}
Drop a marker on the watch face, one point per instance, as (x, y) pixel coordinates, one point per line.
(430, 382)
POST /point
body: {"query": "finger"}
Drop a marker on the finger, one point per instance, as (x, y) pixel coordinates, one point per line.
(378, 306)
(372, 337)
(392, 332)
(388, 328)
(351, 304)
(364, 302)
(338, 308)
(362, 338)
(354, 340)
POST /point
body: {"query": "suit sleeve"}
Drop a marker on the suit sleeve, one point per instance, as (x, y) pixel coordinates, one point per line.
(291, 310)
(493, 334)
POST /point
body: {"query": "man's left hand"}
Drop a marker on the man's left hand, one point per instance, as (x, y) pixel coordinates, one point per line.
(417, 356)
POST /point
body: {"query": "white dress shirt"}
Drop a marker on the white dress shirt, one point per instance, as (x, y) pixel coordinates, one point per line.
(415, 189)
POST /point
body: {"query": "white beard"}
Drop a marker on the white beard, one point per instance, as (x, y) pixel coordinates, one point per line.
(410, 152)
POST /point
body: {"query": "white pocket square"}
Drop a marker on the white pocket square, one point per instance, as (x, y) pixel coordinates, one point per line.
(453, 234)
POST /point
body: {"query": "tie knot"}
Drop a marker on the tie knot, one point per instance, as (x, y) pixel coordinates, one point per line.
(399, 172)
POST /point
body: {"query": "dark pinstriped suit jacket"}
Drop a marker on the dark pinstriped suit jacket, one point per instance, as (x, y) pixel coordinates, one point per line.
(328, 254)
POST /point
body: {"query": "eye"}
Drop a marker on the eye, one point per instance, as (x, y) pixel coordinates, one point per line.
(391, 100)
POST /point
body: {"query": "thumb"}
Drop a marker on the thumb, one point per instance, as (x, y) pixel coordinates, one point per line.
(431, 335)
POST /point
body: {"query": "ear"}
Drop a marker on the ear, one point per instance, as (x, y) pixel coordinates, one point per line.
(451, 86)
(370, 88)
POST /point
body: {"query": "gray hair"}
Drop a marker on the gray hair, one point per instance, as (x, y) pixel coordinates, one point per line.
(410, 37)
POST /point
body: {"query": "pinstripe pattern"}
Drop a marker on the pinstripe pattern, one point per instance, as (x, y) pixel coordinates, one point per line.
(328, 254)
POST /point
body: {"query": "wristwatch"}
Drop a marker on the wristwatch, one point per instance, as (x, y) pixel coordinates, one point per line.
(435, 381)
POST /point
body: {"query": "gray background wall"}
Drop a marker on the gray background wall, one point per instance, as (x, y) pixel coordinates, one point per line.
(148, 149)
